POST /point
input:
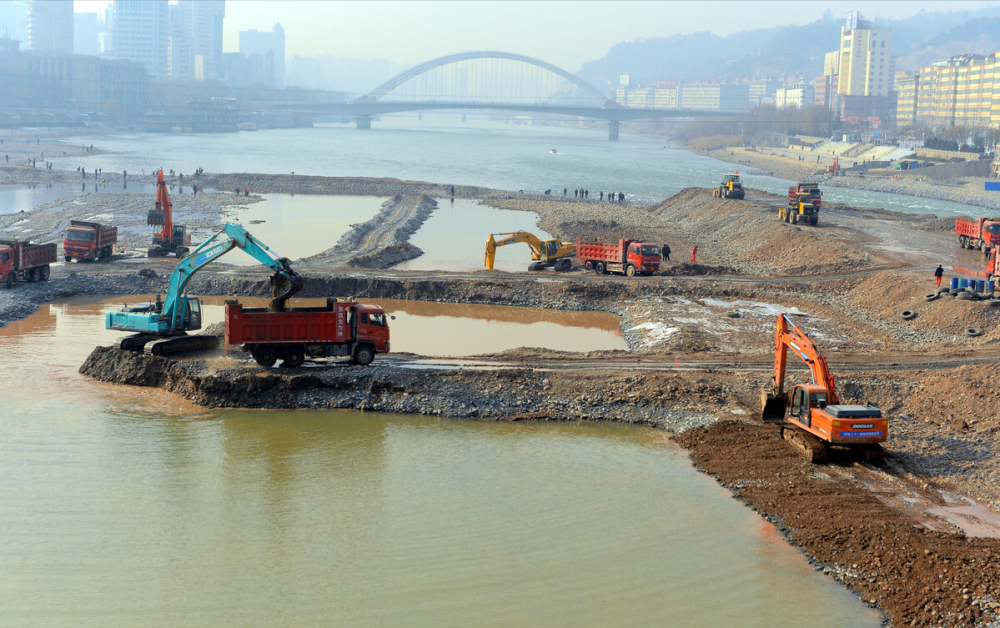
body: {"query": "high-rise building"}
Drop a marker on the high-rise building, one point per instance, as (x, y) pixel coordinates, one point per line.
(50, 26)
(140, 32)
(86, 28)
(865, 60)
(194, 40)
(254, 42)
(962, 91)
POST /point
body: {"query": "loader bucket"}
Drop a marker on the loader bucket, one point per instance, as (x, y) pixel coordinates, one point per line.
(772, 407)
(156, 217)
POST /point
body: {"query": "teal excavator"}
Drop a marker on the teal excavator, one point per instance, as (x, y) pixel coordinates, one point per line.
(162, 326)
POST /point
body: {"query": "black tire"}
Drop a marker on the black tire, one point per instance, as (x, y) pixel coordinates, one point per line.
(972, 332)
(600, 268)
(815, 221)
(963, 242)
(942, 290)
(33, 275)
(294, 356)
(630, 271)
(964, 296)
(265, 355)
(43, 273)
(10, 281)
(67, 258)
(931, 296)
(364, 355)
(795, 218)
(907, 315)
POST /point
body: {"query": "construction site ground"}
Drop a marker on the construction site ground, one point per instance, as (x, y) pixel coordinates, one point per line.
(915, 537)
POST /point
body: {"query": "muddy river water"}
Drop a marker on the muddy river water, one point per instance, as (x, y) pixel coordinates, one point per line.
(129, 507)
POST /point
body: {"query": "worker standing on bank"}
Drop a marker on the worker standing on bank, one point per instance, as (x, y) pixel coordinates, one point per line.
(665, 250)
(938, 273)
(694, 253)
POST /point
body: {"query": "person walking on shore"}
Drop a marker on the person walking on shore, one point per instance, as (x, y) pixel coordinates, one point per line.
(665, 250)
(938, 273)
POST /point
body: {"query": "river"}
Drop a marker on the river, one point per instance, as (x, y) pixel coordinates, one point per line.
(129, 507)
(443, 149)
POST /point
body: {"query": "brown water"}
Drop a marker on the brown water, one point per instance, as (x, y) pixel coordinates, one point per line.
(300, 225)
(128, 507)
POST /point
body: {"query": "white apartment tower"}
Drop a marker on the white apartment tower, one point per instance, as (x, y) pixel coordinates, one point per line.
(50, 26)
(254, 42)
(865, 61)
(195, 38)
(140, 32)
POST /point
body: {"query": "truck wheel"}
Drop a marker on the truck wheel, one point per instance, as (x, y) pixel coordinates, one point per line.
(33, 275)
(265, 356)
(67, 258)
(294, 357)
(600, 268)
(10, 281)
(43, 273)
(795, 219)
(364, 355)
(630, 270)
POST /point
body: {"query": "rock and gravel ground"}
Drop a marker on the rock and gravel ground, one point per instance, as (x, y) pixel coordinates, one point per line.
(845, 282)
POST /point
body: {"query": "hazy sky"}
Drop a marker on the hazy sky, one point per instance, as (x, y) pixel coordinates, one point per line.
(564, 33)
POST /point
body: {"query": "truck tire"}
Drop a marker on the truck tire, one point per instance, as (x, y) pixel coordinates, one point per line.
(33, 275)
(265, 355)
(10, 281)
(294, 356)
(364, 355)
(600, 268)
(795, 218)
(67, 258)
(43, 273)
(630, 271)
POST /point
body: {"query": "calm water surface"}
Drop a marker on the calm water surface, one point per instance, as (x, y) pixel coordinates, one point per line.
(445, 150)
(128, 507)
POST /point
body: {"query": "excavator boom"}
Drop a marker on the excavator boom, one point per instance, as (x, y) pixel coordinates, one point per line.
(178, 313)
(774, 402)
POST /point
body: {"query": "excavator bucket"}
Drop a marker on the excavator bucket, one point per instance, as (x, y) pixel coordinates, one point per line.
(283, 287)
(772, 407)
(156, 217)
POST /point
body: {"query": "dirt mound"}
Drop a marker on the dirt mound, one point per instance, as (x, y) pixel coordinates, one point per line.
(108, 364)
(920, 578)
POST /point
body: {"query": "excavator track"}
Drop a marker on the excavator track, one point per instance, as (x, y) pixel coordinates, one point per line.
(182, 344)
(135, 342)
(812, 449)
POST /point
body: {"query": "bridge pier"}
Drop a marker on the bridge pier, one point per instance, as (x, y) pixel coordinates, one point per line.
(613, 126)
(364, 122)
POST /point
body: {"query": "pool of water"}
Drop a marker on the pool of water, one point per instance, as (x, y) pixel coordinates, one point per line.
(301, 225)
(129, 507)
(454, 237)
(16, 198)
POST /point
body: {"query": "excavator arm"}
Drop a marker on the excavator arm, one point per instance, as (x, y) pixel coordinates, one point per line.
(511, 238)
(787, 336)
(162, 214)
(169, 316)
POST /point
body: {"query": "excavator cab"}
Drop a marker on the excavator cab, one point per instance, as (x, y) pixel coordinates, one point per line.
(550, 248)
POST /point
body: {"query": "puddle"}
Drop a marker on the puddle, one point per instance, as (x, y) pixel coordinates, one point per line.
(454, 237)
(15, 198)
(300, 225)
(423, 327)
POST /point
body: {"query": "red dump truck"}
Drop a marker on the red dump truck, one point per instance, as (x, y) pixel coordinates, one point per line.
(810, 193)
(24, 261)
(89, 241)
(341, 329)
(626, 257)
(977, 234)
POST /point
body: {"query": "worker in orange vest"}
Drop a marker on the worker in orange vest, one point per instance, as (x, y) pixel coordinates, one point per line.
(694, 253)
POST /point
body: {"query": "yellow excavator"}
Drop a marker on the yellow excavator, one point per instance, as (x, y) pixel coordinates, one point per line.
(544, 253)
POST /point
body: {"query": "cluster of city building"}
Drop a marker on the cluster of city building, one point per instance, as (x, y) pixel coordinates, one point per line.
(52, 55)
(963, 91)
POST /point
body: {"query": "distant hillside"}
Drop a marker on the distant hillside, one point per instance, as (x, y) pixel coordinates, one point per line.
(790, 50)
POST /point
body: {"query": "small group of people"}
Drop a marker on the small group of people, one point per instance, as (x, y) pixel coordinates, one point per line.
(246, 192)
(612, 197)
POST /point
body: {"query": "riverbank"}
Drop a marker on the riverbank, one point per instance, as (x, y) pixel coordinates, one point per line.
(965, 190)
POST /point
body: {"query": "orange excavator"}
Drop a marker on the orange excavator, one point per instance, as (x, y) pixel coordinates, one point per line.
(171, 238)
(816, 421)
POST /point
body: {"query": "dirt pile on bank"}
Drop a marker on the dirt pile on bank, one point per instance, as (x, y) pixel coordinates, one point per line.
(748, 235)
(921, 578)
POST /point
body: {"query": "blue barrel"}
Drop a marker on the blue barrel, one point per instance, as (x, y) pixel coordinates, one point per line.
(990, 287)
(980, 285)
(963, 283)
(954, 283)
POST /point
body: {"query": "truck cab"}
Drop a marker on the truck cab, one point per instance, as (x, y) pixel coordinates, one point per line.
(643, 258)
(80, 243)
(6, 265)
(369, 324)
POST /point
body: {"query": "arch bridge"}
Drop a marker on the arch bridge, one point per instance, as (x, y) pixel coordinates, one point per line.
(492, 80)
